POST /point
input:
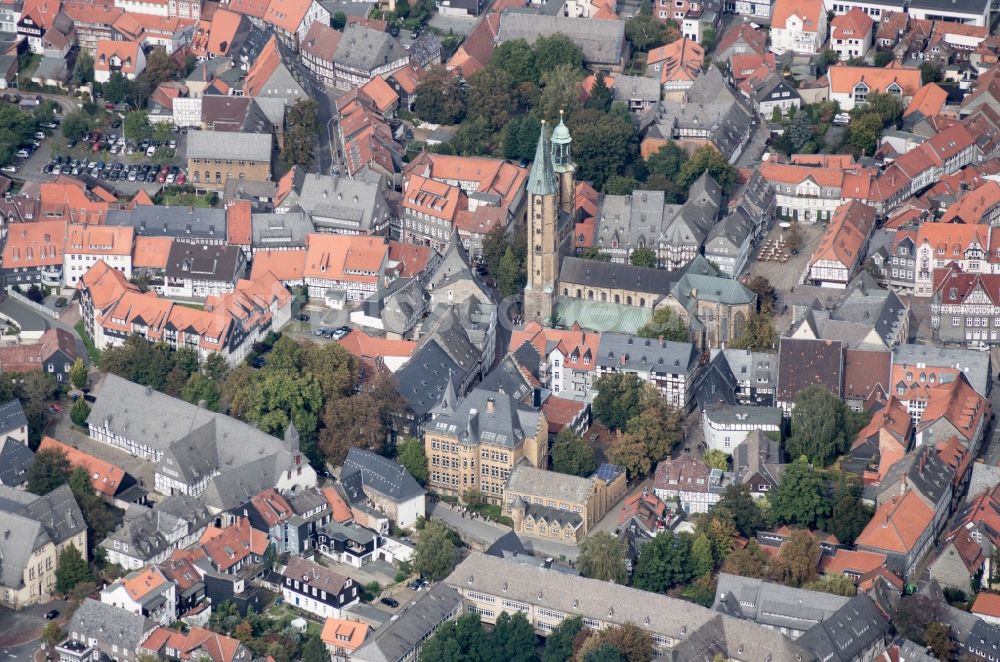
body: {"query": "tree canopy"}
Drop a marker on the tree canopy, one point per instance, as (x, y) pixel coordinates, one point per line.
(602, 556)
(435, 555)
(571, 454)
(822, 426)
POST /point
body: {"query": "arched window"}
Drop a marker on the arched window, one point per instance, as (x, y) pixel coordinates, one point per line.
(590, 294)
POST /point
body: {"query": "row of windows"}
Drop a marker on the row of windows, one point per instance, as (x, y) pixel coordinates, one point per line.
(444, 479)
(440, 445)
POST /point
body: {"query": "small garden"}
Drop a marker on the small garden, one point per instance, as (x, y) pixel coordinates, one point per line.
(185, 196)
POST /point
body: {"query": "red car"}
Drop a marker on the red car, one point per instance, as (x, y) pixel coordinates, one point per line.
(96, 147)
(180, 179)
(108, 105)
(56, 408)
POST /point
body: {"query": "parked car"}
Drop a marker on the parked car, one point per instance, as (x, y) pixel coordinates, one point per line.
(10, 169)
(302, 317)
(50, 614)
(389, 602)
(39, 135)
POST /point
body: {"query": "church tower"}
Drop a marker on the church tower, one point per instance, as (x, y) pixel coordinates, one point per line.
(550, 208)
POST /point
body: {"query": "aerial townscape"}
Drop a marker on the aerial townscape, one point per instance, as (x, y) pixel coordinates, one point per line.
(499, 330)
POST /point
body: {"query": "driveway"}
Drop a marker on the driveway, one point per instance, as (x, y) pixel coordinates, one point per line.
(480, 533)
(20, 630)
(27, 319)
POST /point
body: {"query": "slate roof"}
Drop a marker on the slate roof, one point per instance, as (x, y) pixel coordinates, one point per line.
(656, 282)
(803, 363)
(924, 472)
(15, 458)
(27, 522)
(445, 356)
(695, 627)
(146, 530)
(716, 384)
(843, 637)
(774, 605)
(471, 421)
(194, 442)
(602, 42)
(204, 262)
(758, 453)
(416, 621)
(186, 222)
(621, 351)
(338, 203)
(973, 363)
(221, 145)
(12, 417)
(109, 625)
(549, 484)
(382, 475)
(281, 230)
(366, 49)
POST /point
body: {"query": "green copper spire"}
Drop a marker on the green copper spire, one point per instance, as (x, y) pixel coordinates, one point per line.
(542, 178)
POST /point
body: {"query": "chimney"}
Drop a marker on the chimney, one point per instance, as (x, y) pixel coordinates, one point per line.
(490, 406)
(663, 342)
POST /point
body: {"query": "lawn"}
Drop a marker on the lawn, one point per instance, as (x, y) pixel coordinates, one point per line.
(92, 351)
(179, 199)
(191, 304)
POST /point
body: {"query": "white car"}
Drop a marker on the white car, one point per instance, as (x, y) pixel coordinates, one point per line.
(842, 118)
(150, 151)
(23, 153)
(39, 135)
(10, 168)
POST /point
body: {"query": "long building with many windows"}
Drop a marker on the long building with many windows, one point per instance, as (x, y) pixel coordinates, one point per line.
(681, 631)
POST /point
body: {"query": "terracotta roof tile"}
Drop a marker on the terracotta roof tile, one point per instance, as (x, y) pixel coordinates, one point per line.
(105, 477)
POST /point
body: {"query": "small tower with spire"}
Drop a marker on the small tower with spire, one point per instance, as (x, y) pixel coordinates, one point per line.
(562, 164)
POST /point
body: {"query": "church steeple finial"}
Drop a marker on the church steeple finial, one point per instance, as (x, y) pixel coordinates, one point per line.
(542, 178)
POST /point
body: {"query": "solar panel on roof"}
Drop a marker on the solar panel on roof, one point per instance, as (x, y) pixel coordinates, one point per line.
(608, 471)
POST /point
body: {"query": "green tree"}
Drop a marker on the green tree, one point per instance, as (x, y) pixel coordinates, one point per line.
(76, 125)
(78, 374)
(513, 638)
(758, 333)
(717, 459)
(272, 398)
(629, 451)
(572, 455)
(302, 133)
(160, 67)
(707, 159)
(938, 637)
(658, 426)
(930, 72)
(603, 652)
(621, 185)
(668, 160)
(603, 143)
(619, 399)
(702, 560)
(665, 323)
(747, 562)
(137, 126)
(835, 584)
(849, 514)
(116, 89)
(557, 50)
(561, 92)
(645, 32)
(796, 562)
(52, 634)
(434, 556)
(634, 643)
(602, 556)
(520, 137)
(743, 508)
(559, 643)
(601, 96)
(883, 58)
(800, 131)
(83, 70)
(664, 563)
(72, 569)
(511, 275)
(643, 257)
(314, 650)
(887, 106)
(101, 518)
(473, 138)
(818, 426)
(518, 59)
(79, 412)
(200, 388)
(492, 97)
(864, 133)
(411, 456)
(800, 497)
(440, 98)
(355, 422)
(48, 470)
(593, 253)
(339, 20)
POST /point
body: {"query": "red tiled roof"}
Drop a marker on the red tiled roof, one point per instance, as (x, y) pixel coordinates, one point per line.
(105, 477)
